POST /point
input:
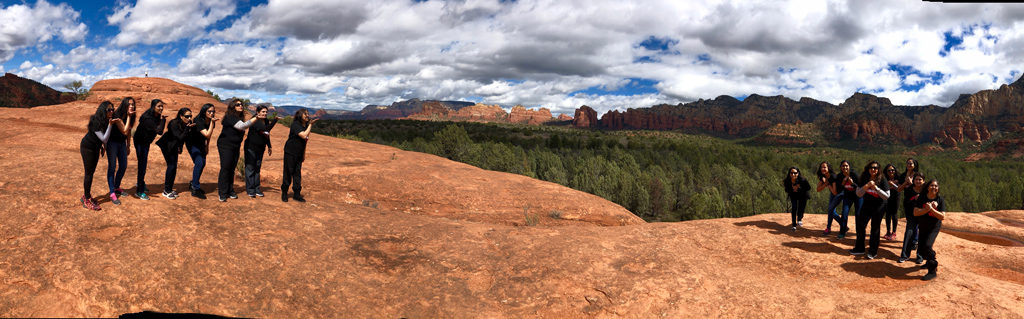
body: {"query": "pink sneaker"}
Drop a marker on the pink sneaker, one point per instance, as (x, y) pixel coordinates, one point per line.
(827, 231)
(113, 199)
(88, 203)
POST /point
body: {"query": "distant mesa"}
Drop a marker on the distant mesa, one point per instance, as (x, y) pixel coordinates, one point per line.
(16, 91)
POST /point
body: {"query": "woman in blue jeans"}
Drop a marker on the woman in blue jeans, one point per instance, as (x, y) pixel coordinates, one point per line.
(910, 233)
(846, 185)
(117, 149)
(825, 177)
(198, 144)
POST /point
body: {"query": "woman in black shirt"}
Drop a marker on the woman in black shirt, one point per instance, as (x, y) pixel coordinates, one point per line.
(796, 187)
(117, 149)
(295, 154)
(91, 147)
(826, 179)
(257, 140)
(910, 234)
(930, 210)
(229, 144)
(198, 144)
(846, 183)
(892, 205)
(875, 192)
(151, 124)
(171, 144)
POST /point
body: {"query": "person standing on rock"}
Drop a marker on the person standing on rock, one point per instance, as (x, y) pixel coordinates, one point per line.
(171, 143)
(930, 210)
(91, 147)
(257, 140)
(198, 144)
(910, 234)
(151, 124)
(229, 145)
(875, 192)
(117, 149)
(826, 179)
(797, 188)
(846, 184)
(892, 205)
(295, 154)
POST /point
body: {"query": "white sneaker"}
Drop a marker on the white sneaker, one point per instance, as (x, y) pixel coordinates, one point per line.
(170, 195)
(800, 223)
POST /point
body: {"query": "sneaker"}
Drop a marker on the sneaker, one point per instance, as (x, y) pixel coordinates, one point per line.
(171, 195)
(299, 198)
(794, 228)
(284, 197)
(120, 192)
(928, 276)
(870, 256)
(251, 195)
(919, 260)
(827, 231)
(233, 195)
(113, 198)
(800, 223)
(95, 205)
(840, 236)
(259, 194)
(198, 193)
(142, 196)
(856, 252)
(901, 260)
(88, 203)
(223, 199)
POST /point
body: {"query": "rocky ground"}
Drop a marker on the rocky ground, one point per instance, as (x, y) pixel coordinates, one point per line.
(388, 233)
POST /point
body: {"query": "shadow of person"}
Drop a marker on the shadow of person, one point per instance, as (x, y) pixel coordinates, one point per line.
(882, 269)
(780, 229)
(821, 248)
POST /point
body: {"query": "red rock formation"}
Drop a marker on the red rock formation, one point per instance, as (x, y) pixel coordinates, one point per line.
(520, 114)
(175, 95)
(585, 117)
(563, 117)
(16, 91)
(435, 111)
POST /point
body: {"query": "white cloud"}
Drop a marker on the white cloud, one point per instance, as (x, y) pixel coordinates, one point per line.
(99, 58)
(25, 26)
(162, 21)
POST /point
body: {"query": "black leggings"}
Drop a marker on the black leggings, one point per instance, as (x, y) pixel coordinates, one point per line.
(142, 153)
(929, 227)
(228, 162)
(871, 213)
(292, 172)
(796, 213)
(90, 157)
(891, 211)
(171, 157)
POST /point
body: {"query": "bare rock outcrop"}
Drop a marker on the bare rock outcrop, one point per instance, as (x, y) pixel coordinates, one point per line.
(16, 91)
(175, 95)
(520, 114)
(585, 117)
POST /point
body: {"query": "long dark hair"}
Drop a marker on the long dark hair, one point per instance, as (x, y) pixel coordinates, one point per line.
(122, 110)
(866, 175)
(260, 108)
(231, 111)
(202, 113)
(830, 171)
(177, 118)
(917, 166)
(152, 105)
(924, 188)
(799, 177)
(840, 171)
(98, 121)
(895, 173)
(298, 116)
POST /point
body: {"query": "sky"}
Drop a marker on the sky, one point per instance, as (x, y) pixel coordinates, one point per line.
(558, 54)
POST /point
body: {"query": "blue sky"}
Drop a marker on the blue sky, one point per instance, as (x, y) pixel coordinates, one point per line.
(614, 55)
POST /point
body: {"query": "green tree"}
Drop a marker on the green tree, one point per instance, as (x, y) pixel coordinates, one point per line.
(453, 142)
(81, 93)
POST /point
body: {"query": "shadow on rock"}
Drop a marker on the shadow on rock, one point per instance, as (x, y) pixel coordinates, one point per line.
(882, 269)
(780, 229)
(821, 248)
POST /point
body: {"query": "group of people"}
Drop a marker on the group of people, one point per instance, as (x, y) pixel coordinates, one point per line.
(110, 133)
(874, 196)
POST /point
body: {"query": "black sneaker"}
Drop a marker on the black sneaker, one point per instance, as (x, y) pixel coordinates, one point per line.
(919, 260)
(113, 198)
(251, 195)
(171, 195)
(233, 195)
(856, 252)
(259, 194)
(284, 197)
(223, 199)
(299, 198)
(901, 260)
(928, 276)
(198, 193)
(870, 256)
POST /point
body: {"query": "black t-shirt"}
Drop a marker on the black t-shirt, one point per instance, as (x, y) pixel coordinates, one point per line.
(229, 135)
(802, 188)
(296, 145)
(90, 140)
(175, 137)
(259, 134)
(849, 189)
(921, 200)
(195, 138)
(150, 126)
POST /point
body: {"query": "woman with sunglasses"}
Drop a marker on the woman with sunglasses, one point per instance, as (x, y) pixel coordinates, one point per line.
(198, 143)
(846, 184)
(797, 188)
(826, 179)
(875, 192)
(117, 149)
(229, 145)
(892, 205)
(256, 141)
(930, 210)
(910, 195)
(91, 147)
(171, 143)
(151, 124)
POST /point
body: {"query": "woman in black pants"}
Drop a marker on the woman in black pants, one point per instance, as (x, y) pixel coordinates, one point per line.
(892, 205)
(229, 144)
(117, 149)
(796, 187)
(151, 124)
(171, 144)
(91, 147)
(295, 154)
(198, 145)
(910, 195)
(257, 140)
(846, 185)
(875, 192)
(930, 209)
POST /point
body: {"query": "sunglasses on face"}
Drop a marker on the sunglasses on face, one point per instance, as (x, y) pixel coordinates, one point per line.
(874, 167)
(187, 116)
(793, 173)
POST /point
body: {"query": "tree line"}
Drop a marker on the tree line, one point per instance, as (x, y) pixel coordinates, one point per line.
(666, 176)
